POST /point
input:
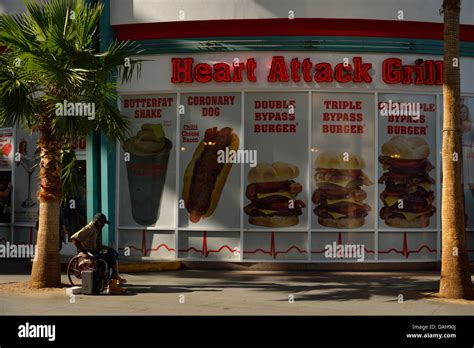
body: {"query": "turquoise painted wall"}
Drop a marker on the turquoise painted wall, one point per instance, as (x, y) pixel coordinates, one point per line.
(101, 159)
(107, 148)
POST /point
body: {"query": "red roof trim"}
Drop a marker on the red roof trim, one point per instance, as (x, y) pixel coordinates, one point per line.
(287, 27)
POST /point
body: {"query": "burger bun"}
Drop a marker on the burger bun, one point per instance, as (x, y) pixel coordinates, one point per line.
(278, 171)
(274, 221)
(410, 148)
(342, 223)
(339, 160)
(420, 222)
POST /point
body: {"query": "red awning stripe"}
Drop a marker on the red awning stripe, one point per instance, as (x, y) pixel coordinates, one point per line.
(287, 27)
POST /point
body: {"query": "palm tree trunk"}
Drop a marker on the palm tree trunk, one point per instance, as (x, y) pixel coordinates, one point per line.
(455, 279)
(46, 270)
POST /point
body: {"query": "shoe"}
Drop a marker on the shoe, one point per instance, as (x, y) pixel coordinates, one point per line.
(85, 263)
(114, 288)
(120, 280)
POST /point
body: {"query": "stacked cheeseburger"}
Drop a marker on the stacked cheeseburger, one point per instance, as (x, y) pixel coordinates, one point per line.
(408, 198)
(272, 194)
(338, 196)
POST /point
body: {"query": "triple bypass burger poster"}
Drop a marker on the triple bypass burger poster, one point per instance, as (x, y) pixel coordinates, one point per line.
(311, 161)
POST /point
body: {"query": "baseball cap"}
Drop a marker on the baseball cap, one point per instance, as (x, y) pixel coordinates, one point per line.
(102, 218)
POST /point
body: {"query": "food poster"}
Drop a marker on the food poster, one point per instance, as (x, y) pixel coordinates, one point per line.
(6, 193)
(342, 161)
(209, 179)
(276, 131)
(26, 162)
(6, 149)
(407, 161)
(467, 117)
(147, 162)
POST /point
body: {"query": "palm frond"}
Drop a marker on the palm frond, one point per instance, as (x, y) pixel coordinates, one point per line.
(68, 174)
(56, 42)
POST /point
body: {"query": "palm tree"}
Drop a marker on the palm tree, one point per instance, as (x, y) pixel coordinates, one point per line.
(51, 58)
(455, 279)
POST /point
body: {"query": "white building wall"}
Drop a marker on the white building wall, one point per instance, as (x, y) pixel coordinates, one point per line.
(156, 72)
(11, 6)
(149, 11)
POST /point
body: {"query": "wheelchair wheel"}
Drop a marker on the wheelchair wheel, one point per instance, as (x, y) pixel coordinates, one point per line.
(75, 268)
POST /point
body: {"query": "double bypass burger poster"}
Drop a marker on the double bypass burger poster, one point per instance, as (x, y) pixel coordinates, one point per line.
(312, 160)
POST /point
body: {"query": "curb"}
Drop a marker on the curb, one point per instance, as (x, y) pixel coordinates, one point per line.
(138, 267)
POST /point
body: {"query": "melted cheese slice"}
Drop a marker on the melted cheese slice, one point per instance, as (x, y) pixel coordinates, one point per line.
(409, 216)
(285, 194)
(391, 200)
(268, 212)
(349, 200)
(335, 215)
(425, 186)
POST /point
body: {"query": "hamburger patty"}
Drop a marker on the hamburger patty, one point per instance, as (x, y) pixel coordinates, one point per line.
(405, 178)
(278, 205)
(344, 172)
(401, 164)
(345, 207)
(253, 210)
(322, 211)
(320, 195)
(417, 196)
(388, 213)
(354, 184)
(335, 175)
(413, 204)
(402, 182)
(406, 189)
(207, 169)
(340, 184)
(272, 187)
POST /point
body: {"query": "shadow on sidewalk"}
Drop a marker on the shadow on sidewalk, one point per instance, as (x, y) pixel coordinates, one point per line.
(136, 289)
(325, 286)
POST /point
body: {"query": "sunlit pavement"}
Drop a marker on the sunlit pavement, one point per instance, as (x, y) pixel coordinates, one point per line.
(232, 292)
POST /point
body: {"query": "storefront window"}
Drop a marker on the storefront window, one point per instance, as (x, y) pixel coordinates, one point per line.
(299, 184)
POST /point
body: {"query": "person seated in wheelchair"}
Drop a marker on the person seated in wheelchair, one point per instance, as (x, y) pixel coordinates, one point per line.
(87, 242)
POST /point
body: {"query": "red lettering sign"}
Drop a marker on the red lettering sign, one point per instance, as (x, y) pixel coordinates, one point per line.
(421, 72)
(427, 72)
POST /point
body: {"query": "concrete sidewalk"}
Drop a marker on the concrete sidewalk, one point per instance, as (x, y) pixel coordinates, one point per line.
(252, 293)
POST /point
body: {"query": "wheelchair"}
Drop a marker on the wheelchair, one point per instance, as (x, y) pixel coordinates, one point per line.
(88, 262)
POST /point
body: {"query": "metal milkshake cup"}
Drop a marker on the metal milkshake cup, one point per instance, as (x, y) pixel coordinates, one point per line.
(146, 172)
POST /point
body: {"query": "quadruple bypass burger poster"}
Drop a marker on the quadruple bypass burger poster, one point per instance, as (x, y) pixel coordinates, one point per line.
(312, 160)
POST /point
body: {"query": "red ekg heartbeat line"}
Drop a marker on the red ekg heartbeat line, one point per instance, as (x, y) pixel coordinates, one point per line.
(144, 249)
(273, 252)
(205, 251)
(339, 242)
(405, 251)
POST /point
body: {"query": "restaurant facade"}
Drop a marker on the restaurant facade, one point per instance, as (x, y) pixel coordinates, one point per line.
(263, 131)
